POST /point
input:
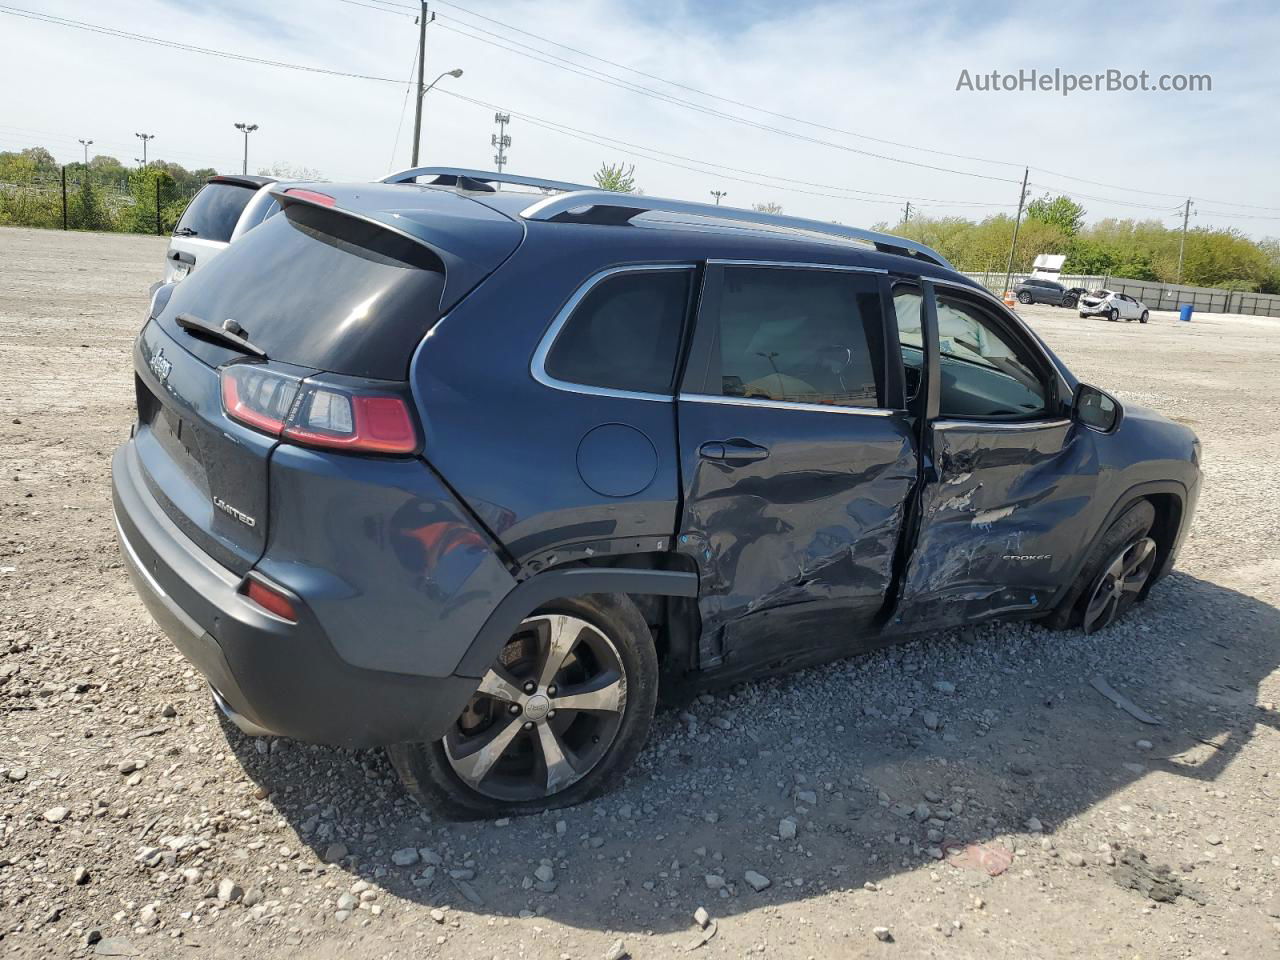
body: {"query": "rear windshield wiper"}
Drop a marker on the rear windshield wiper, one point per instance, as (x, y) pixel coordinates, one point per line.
(185, 232)
(229, 334)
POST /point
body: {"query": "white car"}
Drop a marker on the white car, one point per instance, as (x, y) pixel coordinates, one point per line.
(210, 220)
(1113, 306)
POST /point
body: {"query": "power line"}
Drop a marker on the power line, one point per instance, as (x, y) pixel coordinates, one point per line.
(190, 48)
(380, 9)
(711, 111)
(648, 153)
(413, 65)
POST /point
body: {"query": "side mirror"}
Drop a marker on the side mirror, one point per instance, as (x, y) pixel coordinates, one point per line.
(1095, 409)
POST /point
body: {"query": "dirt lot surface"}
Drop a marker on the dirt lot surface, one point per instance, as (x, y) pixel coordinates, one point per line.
(134, 823)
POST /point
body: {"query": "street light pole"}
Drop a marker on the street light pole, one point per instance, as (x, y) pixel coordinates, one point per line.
(417, 124)
(86, 144)
(718, 194)
(144, 137)
(246, 129)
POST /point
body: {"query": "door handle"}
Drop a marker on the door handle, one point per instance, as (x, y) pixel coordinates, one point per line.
(733, 451)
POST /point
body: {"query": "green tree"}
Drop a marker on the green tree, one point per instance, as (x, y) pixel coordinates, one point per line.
(86, 210)
(1060, 211)
(617, 177)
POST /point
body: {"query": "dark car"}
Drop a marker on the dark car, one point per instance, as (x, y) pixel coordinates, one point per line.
(1039, 290)
(474, 474)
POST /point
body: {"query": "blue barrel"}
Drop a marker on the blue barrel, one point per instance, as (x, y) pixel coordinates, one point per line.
(1184, 313)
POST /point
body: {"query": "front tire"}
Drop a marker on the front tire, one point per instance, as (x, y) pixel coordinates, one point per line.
(1024, 297)
(559, 717)
(1114, 576)
(1113, 314)
(1145, 317)
(1069, 302)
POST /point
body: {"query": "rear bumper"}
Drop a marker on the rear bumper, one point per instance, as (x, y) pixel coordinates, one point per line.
(277, 677)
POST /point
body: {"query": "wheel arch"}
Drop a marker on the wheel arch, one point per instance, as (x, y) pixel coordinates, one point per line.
(1168, 497)
(664, 587)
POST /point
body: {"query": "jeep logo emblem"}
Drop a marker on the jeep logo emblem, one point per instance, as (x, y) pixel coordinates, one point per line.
(160, 365)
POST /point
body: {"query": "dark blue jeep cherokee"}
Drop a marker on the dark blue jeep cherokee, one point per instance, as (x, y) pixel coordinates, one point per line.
(469, 472)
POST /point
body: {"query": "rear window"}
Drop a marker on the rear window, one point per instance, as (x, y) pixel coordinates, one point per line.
(625, 333)
(319, 289)
(213, 212)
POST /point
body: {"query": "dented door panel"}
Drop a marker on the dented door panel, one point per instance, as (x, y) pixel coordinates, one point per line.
(795, 552)
(1002, 524)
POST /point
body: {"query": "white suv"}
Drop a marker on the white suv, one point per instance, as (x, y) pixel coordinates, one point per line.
(210, 221)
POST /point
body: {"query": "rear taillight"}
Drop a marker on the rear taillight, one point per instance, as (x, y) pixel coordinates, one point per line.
(317, 414)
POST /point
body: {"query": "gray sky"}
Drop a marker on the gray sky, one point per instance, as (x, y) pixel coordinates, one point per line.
(859, 73)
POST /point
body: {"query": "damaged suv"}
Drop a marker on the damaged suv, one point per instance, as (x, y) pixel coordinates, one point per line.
(471, 474)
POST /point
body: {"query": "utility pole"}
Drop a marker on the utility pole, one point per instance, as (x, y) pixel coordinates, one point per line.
(906, 212)
(144, 137)
(500, 139)
(1022, 199)
(423, 20)
(86, 144)
(718, 194)
(246, 129)
(1186, 215)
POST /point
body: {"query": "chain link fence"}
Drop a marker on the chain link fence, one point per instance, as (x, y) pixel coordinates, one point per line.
(143, 201)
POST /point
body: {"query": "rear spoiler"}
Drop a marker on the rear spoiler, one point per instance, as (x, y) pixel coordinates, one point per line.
(241, 180)
(440, 245)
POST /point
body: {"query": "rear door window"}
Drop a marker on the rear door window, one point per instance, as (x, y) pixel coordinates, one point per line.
(624, 334)
(213, 212)
(801, 336)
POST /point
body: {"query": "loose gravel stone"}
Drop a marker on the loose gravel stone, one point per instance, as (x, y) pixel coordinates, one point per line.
(701, 917)
(406, 857)
(56, 814)
(757, 881)
(787, 829)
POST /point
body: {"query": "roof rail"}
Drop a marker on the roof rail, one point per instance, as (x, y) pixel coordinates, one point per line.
(602, 206)
(477, 179)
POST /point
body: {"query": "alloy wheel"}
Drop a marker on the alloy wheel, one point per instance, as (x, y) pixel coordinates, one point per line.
(1119, 584)
(545, 715)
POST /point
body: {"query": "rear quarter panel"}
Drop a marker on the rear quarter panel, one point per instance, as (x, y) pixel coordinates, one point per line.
(512, 447)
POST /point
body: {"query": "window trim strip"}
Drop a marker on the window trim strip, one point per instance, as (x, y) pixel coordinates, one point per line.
(796, 265)
(538, 365)
(786, 405)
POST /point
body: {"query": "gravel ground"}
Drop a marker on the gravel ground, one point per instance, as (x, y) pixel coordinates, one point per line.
(969, 794)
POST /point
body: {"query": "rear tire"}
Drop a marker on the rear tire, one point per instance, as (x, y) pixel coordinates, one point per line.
(545, 753)
(1130, 529)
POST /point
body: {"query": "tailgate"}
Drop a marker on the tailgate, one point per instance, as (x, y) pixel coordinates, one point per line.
(207, 472)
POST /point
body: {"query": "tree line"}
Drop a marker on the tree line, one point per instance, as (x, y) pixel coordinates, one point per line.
(1131, 249)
